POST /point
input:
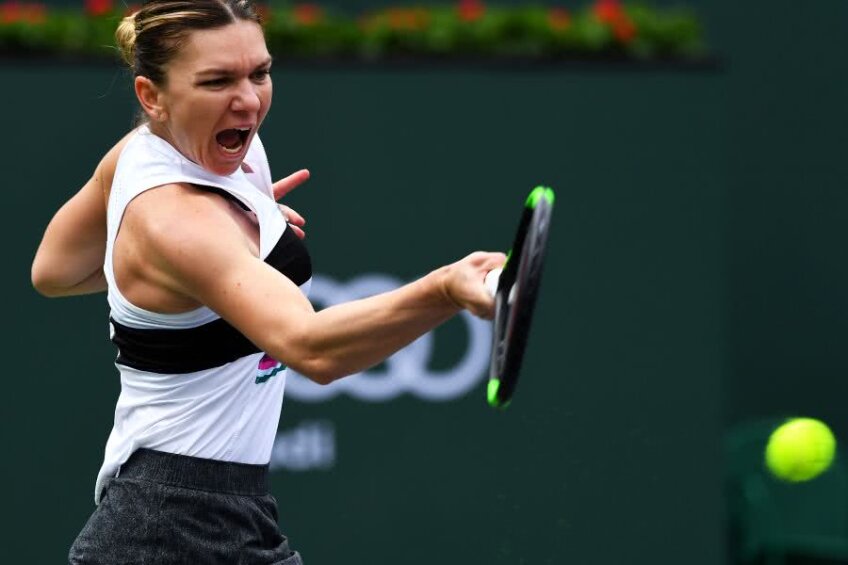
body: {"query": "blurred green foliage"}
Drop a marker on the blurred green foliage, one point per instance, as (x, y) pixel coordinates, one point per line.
(604, 29)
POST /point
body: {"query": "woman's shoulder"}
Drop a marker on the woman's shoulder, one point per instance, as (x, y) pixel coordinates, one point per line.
(105, 171)
(181, 219)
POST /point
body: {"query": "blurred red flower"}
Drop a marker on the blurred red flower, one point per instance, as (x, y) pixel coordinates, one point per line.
(612, 13)
(307, 14)
(98, 7)
(19, 12)
(10, 12)
(624, 29)
(559, 19)
(471, 10)
(608, 11)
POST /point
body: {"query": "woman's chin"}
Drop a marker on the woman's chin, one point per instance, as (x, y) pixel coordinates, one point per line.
(224, 170)
(225, 163)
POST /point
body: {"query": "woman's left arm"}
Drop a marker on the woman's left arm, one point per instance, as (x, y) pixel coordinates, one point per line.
(69, 260)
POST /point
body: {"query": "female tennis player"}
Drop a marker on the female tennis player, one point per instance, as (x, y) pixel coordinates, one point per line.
(206, 283)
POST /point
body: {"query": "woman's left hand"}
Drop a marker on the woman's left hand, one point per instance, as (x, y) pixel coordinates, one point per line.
(295, 220)
(283, 187)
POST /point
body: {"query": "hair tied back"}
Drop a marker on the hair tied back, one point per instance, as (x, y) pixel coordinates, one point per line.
(125, 37)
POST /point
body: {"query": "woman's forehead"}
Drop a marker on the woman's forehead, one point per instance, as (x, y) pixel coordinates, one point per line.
(232, 47)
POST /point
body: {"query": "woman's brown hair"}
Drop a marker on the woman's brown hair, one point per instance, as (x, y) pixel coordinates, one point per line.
(151, 37)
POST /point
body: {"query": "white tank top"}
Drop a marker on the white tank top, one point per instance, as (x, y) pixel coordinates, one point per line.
(190, 383)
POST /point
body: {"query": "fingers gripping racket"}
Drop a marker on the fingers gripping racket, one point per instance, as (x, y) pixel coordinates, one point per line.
(515, 287)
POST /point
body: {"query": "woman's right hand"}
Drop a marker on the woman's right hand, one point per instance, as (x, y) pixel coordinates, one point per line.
(464, 282)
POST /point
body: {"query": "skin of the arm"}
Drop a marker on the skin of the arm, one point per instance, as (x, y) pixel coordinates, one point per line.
(69, 259)
(187, 244)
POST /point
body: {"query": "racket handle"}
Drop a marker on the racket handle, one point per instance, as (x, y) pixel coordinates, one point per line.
(492, 278)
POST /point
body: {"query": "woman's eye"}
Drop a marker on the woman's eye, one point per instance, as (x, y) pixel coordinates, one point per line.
(261, 75)
(214, 82)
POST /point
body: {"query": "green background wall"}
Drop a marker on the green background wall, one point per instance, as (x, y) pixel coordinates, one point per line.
(696, 281)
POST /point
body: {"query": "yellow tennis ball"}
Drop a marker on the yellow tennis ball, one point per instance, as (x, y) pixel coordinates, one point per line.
(800, 449)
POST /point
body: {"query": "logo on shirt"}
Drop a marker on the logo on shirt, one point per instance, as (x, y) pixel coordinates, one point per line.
(267, 368)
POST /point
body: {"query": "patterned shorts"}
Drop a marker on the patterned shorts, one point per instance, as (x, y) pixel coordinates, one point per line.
(166, 509)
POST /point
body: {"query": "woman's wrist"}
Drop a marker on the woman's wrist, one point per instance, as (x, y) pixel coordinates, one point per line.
(442, 278)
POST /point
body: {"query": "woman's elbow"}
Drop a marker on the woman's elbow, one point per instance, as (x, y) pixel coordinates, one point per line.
(319, 371)
(298, 350)
(42, 282)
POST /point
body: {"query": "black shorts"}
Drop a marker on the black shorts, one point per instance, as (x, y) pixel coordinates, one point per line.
(166, 509)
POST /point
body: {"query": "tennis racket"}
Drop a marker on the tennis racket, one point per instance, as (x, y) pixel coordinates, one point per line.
(515, 287)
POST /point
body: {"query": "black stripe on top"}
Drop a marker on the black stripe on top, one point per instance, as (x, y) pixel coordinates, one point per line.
(211, 345)
(226, 195)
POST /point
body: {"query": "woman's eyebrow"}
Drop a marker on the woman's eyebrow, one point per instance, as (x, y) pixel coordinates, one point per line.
(224, 71)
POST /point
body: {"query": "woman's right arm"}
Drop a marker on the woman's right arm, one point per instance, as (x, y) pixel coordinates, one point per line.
(69, 260)
(192, 247)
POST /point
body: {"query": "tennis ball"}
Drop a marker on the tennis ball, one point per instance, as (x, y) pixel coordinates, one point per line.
(800, 449)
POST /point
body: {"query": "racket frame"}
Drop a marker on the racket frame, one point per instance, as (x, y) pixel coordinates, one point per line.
(516, 295)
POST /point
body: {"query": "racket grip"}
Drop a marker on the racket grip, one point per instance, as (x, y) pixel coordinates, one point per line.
(491, 281)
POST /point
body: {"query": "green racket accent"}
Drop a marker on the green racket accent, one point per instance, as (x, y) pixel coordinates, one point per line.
(539, 193)
(494, 385)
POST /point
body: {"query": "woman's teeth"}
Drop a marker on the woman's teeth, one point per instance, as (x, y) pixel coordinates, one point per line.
(232, 150)
(232, 140)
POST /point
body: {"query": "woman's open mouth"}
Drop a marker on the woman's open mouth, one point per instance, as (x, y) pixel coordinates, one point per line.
(232, 140)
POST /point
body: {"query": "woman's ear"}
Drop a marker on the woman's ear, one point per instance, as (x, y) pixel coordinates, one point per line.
(150, 98)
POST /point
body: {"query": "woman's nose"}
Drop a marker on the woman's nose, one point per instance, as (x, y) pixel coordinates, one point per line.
(246, 99)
